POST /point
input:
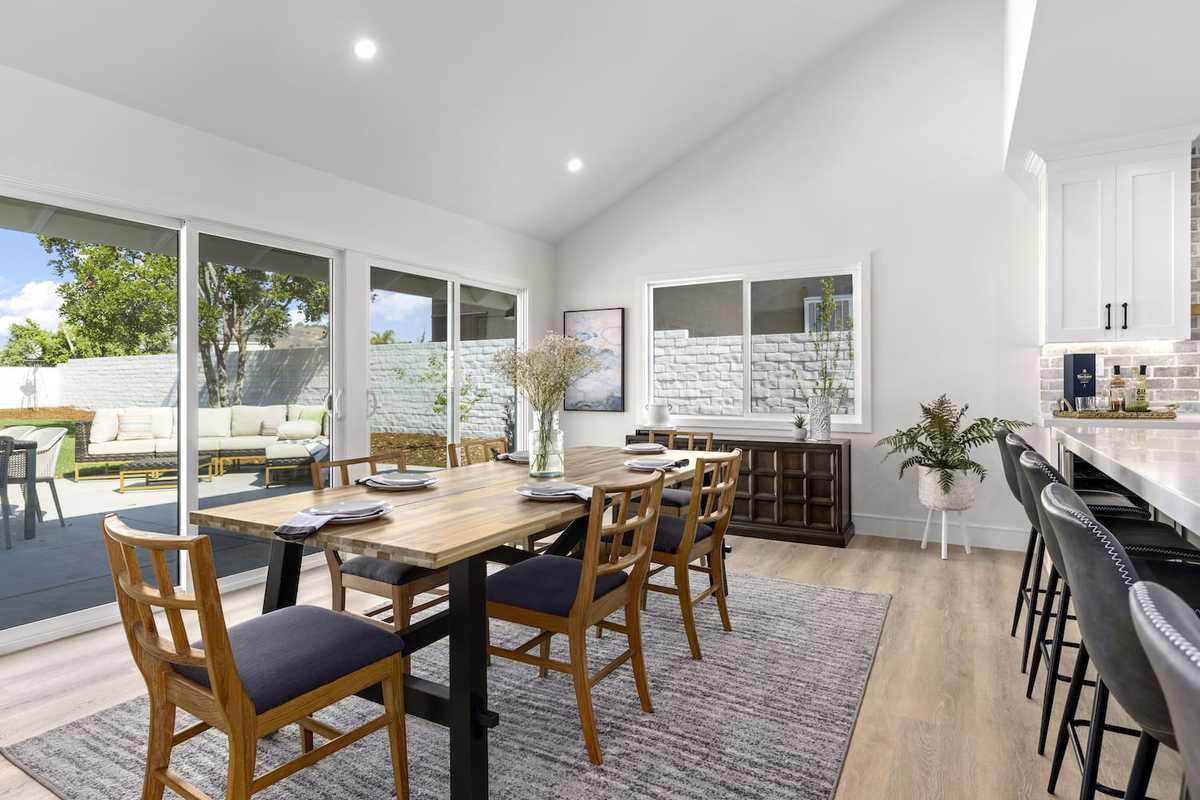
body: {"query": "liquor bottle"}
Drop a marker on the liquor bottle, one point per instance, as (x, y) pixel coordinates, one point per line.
(1140, 392)
(1116, 390)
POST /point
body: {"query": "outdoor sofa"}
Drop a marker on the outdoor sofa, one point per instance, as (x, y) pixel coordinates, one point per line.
(279, 436)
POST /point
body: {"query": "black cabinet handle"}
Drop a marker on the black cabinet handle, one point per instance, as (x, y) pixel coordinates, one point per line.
(1108, 316)
(1124, 316)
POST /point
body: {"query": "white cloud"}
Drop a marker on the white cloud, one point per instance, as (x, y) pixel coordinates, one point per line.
(37, 300)
(393, 305)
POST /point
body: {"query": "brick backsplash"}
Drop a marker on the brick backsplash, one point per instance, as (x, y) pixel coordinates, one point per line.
(1172, 368)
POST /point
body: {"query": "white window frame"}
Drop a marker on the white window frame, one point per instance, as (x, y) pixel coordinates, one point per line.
(859, 268)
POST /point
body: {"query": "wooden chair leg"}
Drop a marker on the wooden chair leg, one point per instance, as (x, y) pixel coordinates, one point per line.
(393, 703)
(335, 580)
(402, 603)
(158, 747)
(683, 584)
(583, 693)
(716, 565)
(544, 653)
(307, 743)
(633, 625)
(242, 756)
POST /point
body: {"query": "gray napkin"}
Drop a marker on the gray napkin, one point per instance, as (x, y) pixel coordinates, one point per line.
(301, 526)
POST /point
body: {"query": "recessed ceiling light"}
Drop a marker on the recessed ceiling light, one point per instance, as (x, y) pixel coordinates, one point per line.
(574, 165)
(366, 49)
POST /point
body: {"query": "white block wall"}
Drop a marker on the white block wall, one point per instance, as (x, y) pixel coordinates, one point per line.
(704, 374)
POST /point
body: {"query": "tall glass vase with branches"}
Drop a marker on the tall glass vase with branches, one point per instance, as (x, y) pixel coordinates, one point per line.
(542, 374)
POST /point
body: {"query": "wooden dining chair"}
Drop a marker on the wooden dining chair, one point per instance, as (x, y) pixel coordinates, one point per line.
(247, 681)
(698, 535)
(460, 454)
(563, 595)
(674, 501)
(391, 580)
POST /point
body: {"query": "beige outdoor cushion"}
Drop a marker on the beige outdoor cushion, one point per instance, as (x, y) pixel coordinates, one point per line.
(273, 417)
(248, 420)
(121, 448)
(214, 422)
(162, 421)
(210, 444)
(229, 443)
(134, 424)
(287, 450)
(168, 446)
(104, 425)
(299, 429)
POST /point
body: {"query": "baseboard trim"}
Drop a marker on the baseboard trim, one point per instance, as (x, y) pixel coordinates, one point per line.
(995, 537)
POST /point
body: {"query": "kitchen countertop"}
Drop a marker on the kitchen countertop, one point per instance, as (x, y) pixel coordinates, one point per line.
(1184, 421)
(1161, 465)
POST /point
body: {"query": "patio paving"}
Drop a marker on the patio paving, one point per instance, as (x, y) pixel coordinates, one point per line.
(66, 569)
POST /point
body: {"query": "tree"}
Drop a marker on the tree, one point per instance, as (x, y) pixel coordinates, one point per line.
(115, 301)
(469, 392)
(30, 343)
(238, 304)
(383, 337)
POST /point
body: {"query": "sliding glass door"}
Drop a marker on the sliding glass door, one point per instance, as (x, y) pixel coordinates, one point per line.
(88, 379)
(487, 403)
(264, 384)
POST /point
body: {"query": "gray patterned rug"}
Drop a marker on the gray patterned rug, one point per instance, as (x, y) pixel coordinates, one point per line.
(768, 713)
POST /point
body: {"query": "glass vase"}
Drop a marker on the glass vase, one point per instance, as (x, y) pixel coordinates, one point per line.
(546, 457)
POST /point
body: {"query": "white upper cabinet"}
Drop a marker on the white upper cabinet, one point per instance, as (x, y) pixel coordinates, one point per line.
(1116, 255)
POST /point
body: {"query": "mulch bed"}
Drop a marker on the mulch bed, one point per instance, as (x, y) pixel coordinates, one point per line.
(49, 413)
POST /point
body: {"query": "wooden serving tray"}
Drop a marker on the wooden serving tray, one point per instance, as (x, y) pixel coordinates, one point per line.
(1156, 414)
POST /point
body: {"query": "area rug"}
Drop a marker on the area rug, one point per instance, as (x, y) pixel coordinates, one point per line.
(767, 713)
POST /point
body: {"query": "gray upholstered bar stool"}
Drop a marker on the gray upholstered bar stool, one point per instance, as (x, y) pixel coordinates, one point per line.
(1029, 592)
(1143, 538)
(1170, 634)
(1101, 572)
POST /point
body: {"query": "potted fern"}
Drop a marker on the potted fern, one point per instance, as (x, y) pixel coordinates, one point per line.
(940, 448)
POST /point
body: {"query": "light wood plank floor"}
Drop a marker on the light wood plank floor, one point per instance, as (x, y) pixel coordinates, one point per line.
(944, 716)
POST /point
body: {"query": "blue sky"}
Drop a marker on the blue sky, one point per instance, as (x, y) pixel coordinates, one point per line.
(27, 282)
(408, 316)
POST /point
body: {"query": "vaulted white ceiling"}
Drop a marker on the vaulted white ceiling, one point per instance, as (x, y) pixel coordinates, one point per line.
(471, 105)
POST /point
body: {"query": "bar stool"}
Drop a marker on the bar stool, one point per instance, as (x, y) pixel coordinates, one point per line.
(1030, 589)
(1101, 573)
(1141, 538)
(1170, 634)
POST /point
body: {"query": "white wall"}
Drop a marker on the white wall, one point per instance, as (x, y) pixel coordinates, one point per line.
(890, 146)
(1018, 28)
(57, 136)
(30, 387)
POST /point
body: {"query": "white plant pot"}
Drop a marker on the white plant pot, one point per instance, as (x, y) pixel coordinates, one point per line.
(819, 410)
(960, 497)
(800, 434)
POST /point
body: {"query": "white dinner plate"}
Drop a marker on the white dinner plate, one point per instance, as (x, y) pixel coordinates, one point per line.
(649, 464)
(349, 508)
(547, 498)
(353, 519)
(519, 457)
(644, 448)
(397, 483)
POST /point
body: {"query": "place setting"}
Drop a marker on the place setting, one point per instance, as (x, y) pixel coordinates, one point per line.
(651, 463)
(515, 457)
(343, 512)
(398, 481)
(553, 491)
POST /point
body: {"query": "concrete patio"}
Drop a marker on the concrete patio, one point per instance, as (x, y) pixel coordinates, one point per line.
(64, 569)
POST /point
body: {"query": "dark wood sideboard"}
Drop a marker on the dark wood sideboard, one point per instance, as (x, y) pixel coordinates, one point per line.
(789, 490)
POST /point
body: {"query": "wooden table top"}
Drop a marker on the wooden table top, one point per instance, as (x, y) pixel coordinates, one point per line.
(470, 510)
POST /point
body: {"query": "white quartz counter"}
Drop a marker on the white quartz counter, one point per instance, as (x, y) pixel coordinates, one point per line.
(1161, 465)
(1184, 421)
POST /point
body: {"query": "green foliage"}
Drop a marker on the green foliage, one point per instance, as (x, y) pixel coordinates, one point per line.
(115, 301)
(799, 421)
(383, 337)
(939, 442)
(470, 393)
(831, 346)
(29, 343)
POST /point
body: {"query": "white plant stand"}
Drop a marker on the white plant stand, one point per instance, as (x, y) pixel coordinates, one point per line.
(962, 525)
(956, 501)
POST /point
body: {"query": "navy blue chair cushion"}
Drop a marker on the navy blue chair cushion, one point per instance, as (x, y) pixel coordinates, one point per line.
(383, 570)
(669, 535)
(294, 650)
(545, 583)
(676, 498)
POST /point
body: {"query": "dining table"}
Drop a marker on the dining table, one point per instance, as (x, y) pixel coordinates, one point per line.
(468, 518)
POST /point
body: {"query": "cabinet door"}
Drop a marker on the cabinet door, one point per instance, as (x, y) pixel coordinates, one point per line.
(1153, 282)
(1080, 245)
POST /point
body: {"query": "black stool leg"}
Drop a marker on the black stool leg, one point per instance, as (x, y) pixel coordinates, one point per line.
(1091, 762)
(1143, 765)
(1043, 626)
(1024, 580)
(1036, 584)
(1069, 710)
(1060, 624)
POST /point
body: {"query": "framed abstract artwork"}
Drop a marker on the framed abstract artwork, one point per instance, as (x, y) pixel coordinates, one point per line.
(603, 331)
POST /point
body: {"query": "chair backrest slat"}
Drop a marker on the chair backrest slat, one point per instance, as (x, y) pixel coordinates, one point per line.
(684, 440)
(397, 457)
(712, 498)
(476, 451)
